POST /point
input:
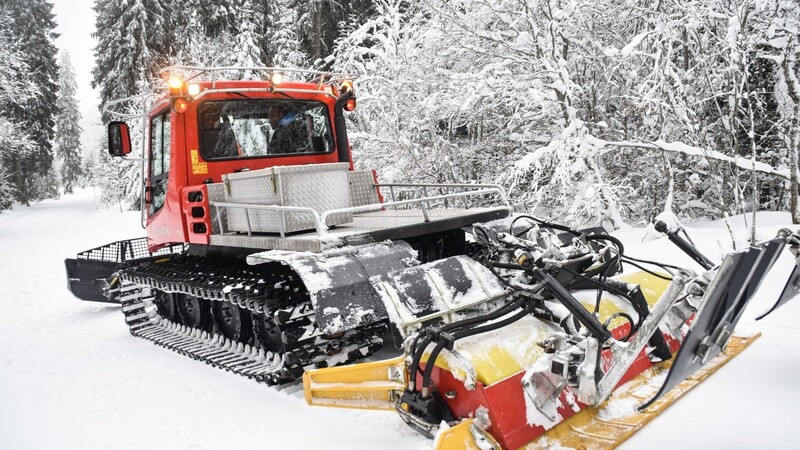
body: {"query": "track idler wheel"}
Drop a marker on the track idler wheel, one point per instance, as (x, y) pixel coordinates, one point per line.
(165, 305)
(193, 312)
(267, 333)
(232, 321)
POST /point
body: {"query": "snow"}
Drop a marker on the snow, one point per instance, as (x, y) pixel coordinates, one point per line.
(71, 376)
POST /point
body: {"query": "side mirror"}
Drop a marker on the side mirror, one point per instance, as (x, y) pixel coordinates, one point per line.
(119, 139)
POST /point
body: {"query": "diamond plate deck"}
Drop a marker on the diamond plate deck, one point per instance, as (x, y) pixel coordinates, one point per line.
(367, 227)
(318, 186)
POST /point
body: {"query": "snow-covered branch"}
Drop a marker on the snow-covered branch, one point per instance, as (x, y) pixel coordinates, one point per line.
(679, 147)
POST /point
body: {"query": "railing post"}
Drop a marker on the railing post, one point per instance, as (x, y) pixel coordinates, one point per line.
(247, 215)
(282, 224)
(219, 220)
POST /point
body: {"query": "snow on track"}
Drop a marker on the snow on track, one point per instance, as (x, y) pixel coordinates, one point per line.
(71, 376)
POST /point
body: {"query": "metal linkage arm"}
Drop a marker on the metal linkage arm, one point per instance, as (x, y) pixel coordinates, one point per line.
(687, 247)
(625, 355)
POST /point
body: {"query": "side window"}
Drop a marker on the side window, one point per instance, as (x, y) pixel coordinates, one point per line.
(159, 161)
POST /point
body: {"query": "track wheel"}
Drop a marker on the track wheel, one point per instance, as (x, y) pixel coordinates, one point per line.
(233, 322)
(165, 305)
(267, 333)
(192, 311)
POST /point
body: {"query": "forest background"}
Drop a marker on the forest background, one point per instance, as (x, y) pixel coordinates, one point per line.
(587, 112)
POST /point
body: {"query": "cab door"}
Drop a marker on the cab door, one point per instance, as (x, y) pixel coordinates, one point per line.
(158, 176)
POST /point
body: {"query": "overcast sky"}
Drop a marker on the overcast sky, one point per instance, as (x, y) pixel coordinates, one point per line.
(75, 24)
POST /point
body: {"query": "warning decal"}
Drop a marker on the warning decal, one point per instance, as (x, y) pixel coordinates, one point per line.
(198, 167)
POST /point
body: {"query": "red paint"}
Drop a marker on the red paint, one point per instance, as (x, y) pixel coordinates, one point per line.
(173, 223)
(505, 399)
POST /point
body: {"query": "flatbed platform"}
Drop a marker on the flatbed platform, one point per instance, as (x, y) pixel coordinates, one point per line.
(366, 227)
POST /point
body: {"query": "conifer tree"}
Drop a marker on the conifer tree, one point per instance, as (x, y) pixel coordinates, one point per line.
(249, 52)
(134, 41)
(15, 91)
(31, 25)
(286, 44)
(68, 129)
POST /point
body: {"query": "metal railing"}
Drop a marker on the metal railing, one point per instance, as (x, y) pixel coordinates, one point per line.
(320, 220)
(321, 77)
(424, 187)
(128, 250)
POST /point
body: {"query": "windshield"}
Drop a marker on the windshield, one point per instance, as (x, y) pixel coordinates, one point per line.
(257, 128)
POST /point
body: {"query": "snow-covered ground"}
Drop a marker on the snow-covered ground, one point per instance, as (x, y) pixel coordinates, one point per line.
(72, 377)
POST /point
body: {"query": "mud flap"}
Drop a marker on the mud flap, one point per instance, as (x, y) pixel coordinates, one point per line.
(448, 289)
(89, 276)
(736, 281)
(88, 279)
(338, 280)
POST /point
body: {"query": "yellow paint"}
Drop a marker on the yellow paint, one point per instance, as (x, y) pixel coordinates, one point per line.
(493, 362)
(652, 287)
(460, 437)
(372, 385)
(198, 167)
(495, 359)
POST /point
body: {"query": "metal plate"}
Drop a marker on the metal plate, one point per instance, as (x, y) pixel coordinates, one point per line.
(362, 188)
(450, 289)
(322, 187)
(726, 297)
(216, 193)
(338, 280)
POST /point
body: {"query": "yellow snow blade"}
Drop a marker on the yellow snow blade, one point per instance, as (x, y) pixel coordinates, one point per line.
(370, 385)
(610, 425)
(463, 437)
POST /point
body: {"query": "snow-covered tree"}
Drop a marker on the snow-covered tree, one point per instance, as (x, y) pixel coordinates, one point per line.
(287, 49)
(134, 41)
(576, 110)
(29, 27)
(68, 129)
(16, 90)
(317, 20)
(248, 51)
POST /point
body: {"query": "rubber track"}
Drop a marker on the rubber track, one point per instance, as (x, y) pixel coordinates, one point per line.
(281, 295)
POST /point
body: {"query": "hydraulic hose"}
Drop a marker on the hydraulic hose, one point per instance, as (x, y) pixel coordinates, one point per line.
(419, 346)
(426, 376)
(573, 305)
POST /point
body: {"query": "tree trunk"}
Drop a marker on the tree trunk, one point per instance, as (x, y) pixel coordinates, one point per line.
(318, 32)
(793, 138)
(22, 195)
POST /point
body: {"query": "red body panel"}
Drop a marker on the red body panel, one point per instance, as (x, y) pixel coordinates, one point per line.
(505, 399)
(188, 171)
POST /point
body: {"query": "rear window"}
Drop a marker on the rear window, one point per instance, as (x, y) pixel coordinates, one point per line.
(235, 129)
